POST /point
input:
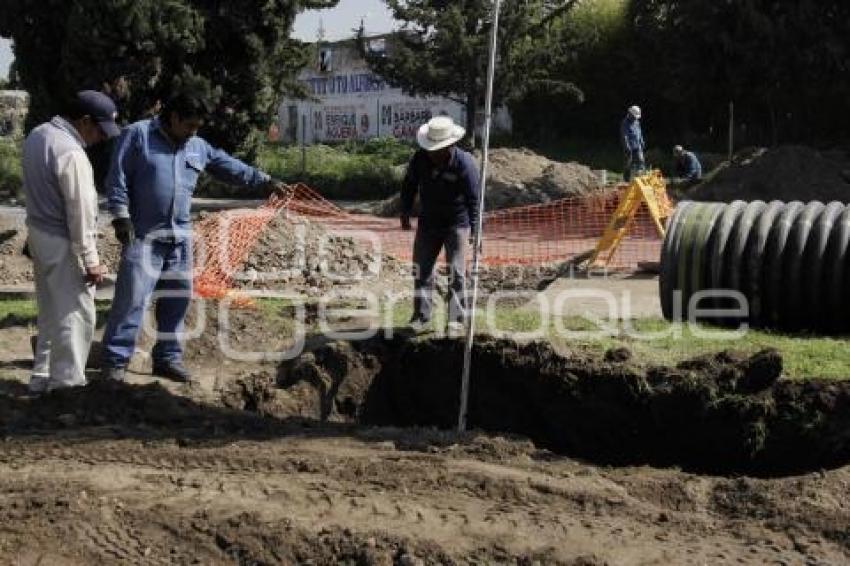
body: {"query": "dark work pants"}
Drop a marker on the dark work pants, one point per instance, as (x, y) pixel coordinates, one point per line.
(426, 250)
(635, 164)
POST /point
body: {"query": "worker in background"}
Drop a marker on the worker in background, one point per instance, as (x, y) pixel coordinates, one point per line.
(446, 179)
(688, 167)
(155, 167)
(61, 203)
(631, 137)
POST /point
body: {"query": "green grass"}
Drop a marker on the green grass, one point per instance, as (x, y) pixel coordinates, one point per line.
(16, 312)
(23, 309)
(804, 355)
(10, 168)
(353, 171)
(655, 341)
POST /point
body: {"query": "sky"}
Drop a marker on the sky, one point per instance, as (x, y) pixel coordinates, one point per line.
(339, 23)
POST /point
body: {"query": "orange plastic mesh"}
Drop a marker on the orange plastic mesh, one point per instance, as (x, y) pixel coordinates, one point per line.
(527, 235)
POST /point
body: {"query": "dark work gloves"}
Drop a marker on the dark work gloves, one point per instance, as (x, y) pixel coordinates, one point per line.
(123, 230)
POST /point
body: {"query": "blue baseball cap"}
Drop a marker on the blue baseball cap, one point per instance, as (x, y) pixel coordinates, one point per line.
(102, 110)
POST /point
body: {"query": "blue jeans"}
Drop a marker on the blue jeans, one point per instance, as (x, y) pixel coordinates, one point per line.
(148, 266)
(426, 249)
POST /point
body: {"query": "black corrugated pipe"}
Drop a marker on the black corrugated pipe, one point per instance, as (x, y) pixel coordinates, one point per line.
(789, 261)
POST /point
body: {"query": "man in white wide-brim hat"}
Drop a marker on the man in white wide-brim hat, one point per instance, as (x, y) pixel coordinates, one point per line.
(446, 179)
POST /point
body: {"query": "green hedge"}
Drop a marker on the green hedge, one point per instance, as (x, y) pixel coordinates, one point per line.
(353, 171)
(10, 169)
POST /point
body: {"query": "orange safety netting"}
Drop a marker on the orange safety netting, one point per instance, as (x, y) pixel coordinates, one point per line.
(527, 235)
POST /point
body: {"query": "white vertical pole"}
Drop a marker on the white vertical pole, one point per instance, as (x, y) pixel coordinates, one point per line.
(731, 130)
(303, 144)
(470, 319)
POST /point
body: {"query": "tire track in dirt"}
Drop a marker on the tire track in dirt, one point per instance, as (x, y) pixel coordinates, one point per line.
(520, 505)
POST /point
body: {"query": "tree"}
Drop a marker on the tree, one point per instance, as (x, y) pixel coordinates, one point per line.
(239, 53)
(443, 46)
(785, 64)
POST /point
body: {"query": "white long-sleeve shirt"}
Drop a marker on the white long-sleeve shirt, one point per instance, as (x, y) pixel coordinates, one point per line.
(59, 187)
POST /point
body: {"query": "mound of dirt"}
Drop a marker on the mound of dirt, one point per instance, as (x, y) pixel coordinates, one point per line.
(290, 255)
(16, 269)
(275, 261)
(786, 173)
(518, 177)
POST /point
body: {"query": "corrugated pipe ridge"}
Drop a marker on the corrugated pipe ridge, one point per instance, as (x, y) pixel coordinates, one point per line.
(781, 265)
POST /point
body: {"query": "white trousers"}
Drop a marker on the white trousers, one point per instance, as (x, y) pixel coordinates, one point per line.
(66, 313)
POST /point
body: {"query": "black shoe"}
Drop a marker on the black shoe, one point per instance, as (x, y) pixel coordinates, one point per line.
(110, 373)
(172, 370)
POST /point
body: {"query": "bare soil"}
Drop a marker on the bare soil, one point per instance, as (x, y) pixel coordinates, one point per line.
(298, 255)
(786, 173)
(288, 256)
(519, 177)
(16, 269)
(275, 262)
(332, 458)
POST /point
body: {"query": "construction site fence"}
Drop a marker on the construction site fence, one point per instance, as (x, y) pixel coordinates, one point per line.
(534, 235)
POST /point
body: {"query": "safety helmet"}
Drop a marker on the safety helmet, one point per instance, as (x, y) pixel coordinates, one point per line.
(634, 112)
(678, 150)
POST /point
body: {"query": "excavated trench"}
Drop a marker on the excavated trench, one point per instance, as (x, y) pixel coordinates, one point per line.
(722, 414)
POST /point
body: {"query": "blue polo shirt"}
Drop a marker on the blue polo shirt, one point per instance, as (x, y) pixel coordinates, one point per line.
(448, 195)
(151, 180)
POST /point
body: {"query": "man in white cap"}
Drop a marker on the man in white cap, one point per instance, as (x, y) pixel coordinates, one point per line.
(62, 234)
(631, 137)
(446, 179)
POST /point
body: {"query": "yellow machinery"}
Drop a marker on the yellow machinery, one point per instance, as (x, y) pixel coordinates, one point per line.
(648, 189)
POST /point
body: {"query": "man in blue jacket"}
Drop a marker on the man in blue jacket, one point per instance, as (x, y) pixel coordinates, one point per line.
(631, 137)
(446, 179)
(155, 167)
(688, 167)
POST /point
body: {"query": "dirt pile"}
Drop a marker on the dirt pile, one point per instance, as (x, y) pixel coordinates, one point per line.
(297, 255)
(16, 269)
(288, 255)
(518, 177)
(786, 173)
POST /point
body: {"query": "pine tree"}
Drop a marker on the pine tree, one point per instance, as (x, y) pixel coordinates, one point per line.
(442, 49)
(239, 53)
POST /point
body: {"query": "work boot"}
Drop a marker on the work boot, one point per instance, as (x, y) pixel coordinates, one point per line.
(174, 370)
(39, 384)
(112, 373)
